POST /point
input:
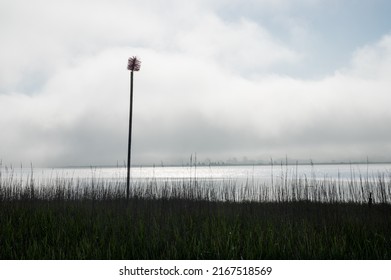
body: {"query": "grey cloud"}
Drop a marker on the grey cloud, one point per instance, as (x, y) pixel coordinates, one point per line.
(65, 100)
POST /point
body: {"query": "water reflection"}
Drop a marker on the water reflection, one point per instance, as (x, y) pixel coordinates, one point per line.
(253, 173)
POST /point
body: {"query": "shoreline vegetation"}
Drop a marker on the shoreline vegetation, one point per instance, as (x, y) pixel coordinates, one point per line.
(218, 164)
(210, 163)
(293, 218)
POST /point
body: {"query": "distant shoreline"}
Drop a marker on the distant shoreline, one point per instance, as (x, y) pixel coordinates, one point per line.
(290, 163)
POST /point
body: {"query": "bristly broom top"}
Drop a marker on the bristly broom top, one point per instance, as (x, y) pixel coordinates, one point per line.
(134, 63)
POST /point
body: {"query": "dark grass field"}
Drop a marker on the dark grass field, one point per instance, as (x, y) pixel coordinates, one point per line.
(192, 229)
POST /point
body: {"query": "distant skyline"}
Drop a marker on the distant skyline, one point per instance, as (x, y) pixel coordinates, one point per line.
(255, 80)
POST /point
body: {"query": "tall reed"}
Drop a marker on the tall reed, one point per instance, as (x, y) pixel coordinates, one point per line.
(288, 188)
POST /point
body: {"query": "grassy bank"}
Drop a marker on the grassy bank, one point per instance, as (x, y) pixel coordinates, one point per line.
(297, 219)
(186, 229)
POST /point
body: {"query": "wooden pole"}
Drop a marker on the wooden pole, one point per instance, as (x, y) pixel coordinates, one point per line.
(130, 136)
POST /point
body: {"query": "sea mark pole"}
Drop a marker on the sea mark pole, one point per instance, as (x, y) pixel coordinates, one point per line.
(133, 65)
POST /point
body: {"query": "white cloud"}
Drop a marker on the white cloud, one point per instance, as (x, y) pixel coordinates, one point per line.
(373, 61)
(41, 37)
(64, 88)
(239, 46)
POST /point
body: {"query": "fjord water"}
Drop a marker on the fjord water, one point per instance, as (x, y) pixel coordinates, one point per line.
(256, 174)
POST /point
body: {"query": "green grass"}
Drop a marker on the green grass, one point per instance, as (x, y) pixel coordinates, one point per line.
(184, 229)
(304, 219)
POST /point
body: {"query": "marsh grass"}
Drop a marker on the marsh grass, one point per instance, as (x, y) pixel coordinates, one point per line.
(300, 218)
(289, 187)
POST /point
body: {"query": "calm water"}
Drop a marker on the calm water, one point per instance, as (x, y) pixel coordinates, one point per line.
(255, 174)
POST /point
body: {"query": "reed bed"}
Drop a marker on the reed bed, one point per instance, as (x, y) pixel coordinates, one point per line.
(295, 218)
(285, 189)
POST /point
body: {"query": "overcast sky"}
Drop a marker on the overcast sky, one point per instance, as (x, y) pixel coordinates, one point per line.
(261, 79)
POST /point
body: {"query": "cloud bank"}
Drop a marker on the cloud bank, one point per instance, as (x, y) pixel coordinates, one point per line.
(207, 84)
